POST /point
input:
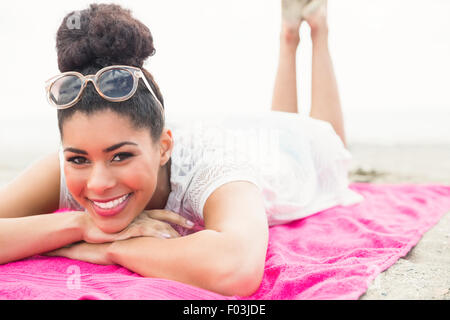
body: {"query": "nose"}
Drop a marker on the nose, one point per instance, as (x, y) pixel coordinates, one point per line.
(101, 179)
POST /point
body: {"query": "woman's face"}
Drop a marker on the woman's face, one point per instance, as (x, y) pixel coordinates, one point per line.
(111, 168)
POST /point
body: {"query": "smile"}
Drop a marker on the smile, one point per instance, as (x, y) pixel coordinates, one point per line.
(111, 208)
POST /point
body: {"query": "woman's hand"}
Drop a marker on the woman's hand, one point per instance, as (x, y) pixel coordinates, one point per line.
(150, 223)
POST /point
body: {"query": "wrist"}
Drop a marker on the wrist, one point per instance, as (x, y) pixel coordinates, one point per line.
(109, 256)
(111, 252)
(80, 223)
(71, 230)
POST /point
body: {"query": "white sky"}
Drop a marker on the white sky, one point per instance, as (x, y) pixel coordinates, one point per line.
(391, 59)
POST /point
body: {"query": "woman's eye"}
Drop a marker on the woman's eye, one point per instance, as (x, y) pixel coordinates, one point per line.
(122, 156)
(117, 158)
(77, 160)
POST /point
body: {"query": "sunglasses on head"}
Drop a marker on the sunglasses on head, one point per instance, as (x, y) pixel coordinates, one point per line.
(114, 83)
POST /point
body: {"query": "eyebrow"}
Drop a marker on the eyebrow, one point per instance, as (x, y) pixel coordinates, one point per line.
(109, 149)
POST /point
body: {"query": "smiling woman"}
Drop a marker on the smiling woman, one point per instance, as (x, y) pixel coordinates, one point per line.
(188, 200)
(124, 164)
(114, 173)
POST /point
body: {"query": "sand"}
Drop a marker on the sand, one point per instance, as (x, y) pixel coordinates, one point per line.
(424, 273)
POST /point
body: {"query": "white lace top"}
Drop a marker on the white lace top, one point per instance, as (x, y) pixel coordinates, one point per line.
(298, 163)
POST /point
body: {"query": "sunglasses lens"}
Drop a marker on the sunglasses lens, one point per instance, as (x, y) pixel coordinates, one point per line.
(116, 83)
(65, 90)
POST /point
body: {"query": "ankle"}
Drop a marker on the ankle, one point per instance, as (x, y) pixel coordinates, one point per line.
(319, 33)
(289, 44)
(289, 35)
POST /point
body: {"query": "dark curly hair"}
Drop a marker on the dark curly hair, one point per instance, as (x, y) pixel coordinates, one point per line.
(107, 34)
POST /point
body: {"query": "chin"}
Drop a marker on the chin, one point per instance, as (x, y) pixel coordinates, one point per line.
(110, 225)
(111, 228)
(113, 225)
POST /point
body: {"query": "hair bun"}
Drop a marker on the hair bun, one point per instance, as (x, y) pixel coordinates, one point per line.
(102, 35)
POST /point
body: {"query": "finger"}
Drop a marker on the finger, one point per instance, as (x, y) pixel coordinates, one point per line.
(171, 217)
(130, 232)
(172, 232)
(161, 230)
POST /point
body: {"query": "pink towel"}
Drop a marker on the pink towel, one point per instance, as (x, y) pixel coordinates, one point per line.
(334, 254)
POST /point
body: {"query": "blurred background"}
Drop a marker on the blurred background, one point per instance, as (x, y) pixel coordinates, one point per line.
(391, 59)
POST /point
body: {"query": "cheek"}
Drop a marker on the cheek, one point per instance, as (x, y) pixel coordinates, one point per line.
(139, 175)
(143, 183)
(75, 180)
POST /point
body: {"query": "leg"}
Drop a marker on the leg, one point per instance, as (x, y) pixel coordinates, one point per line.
(325, 102)
(285, 88)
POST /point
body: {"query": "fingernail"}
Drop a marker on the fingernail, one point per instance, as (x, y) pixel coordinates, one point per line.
(166, 235)
(189, 223)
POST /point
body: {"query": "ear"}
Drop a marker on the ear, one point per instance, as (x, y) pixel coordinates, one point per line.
(166, 146)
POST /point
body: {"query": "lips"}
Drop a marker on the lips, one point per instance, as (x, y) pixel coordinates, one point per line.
(112, 207)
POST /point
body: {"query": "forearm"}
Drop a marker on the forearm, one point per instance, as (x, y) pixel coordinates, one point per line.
(201, 259)
(27, 236)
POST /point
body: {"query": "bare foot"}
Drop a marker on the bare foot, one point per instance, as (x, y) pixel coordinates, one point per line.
(292, 10)
(291, 19)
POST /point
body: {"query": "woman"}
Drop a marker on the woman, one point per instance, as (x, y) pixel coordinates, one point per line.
(132, 184)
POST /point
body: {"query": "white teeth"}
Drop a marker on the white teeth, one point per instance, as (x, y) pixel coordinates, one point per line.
(111, 204)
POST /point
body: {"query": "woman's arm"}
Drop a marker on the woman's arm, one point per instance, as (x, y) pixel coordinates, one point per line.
(27, 236)
(34, 191)
(228, 257)
(24, 228)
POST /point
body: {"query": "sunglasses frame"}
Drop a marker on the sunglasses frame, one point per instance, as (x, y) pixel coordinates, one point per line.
(135, 72)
